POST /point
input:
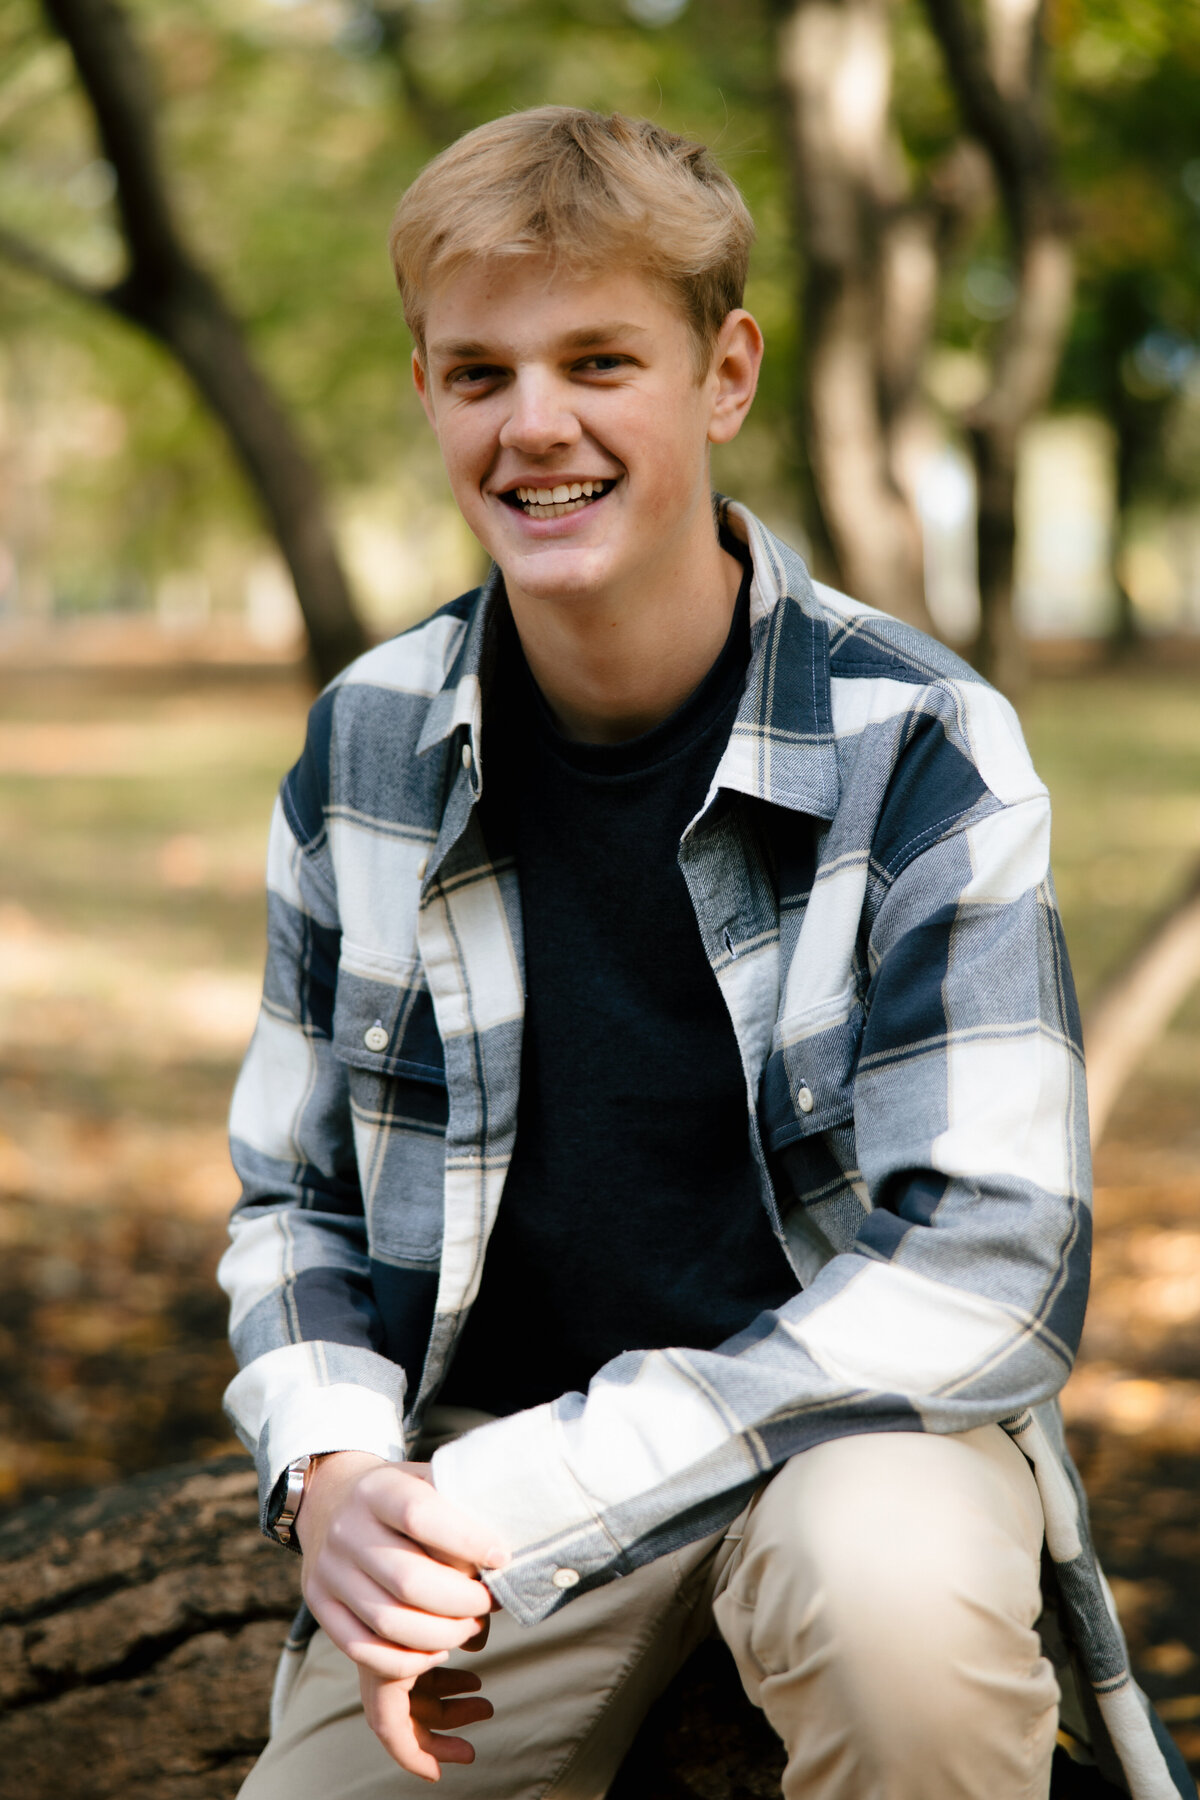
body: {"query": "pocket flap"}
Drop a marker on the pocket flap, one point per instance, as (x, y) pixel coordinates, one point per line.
(383, 1019)
(808, 1084)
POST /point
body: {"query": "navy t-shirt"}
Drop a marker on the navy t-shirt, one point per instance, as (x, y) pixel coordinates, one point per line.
(631, 1216)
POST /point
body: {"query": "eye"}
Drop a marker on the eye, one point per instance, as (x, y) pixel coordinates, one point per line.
(474, 376)
(604, 362)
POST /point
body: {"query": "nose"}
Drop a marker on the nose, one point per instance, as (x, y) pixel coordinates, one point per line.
(540, 417)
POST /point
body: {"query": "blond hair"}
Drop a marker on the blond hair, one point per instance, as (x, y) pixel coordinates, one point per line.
(589, 191)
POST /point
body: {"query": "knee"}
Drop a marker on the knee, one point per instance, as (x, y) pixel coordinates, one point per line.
(897, 1563)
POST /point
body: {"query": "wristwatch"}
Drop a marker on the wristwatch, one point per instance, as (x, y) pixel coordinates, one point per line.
(297, 1480)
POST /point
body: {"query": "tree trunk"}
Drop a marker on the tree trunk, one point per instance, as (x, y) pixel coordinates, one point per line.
(870, 278)
(139, 1631)
(171, 297)
(998, 651)
(999, 83)
(193, 322)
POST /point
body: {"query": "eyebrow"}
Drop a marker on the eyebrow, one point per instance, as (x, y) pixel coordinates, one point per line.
(586, 338)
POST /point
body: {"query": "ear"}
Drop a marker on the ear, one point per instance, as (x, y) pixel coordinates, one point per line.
(420, 377)
(733, 376)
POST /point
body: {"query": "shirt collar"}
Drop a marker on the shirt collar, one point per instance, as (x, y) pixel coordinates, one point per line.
(781, 748)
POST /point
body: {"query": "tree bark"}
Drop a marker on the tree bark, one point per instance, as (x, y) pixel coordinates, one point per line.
(139, 1631)
(998, 77)
(170, 296)
(870, 280)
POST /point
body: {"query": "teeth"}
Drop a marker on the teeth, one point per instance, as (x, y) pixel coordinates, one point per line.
(552, 503)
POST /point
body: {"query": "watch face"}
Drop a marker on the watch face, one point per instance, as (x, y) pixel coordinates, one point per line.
(293, 1494)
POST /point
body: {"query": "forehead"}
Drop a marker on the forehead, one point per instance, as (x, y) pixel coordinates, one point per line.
(527, 304)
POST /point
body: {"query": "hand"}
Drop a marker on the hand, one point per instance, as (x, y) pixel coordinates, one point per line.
(408, 1716)
(390, 1572)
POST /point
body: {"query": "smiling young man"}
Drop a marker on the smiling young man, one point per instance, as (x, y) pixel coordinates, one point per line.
(664, 1139)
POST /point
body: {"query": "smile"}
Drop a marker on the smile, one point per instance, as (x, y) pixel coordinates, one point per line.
(556, 502)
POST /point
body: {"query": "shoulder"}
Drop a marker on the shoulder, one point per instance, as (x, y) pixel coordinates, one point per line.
(898, 695)
(412, 666)
(365, 726)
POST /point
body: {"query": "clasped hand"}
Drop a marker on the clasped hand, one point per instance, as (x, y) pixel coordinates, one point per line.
(390, 1571)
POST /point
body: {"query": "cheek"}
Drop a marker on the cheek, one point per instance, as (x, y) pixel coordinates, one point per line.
(675, 462)
(461, 455)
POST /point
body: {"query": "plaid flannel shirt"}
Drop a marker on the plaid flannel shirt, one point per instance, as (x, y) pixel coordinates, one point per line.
(870, 875)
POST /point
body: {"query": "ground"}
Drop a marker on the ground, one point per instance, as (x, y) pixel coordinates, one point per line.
(133, 813)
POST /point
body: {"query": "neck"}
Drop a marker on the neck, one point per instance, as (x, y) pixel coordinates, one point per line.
(614, 665)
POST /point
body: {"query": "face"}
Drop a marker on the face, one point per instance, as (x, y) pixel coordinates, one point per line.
(574, 431)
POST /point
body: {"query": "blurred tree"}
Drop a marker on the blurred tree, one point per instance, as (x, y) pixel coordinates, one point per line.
(171, 296)
(869, 289)
(1128, 74)
(290, 129)
(998, 72)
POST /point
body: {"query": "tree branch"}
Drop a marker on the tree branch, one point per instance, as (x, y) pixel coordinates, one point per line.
(168, 293)
(117, 81)
(1009, 126)
(24, 255)
(441, 121)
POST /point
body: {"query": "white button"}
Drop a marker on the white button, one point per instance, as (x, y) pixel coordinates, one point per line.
(375, 1037)
(804, 1099)
(421, 868)
(467, 758)
(565, 1578)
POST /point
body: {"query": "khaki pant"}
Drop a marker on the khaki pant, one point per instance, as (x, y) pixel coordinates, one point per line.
(879, 1597)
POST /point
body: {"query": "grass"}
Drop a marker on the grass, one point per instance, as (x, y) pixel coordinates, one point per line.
(1120, 754)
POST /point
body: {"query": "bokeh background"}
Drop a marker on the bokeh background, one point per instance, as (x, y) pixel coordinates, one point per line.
(978, 271)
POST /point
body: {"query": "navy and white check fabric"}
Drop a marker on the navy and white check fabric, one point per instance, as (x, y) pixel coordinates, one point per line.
(870, 875)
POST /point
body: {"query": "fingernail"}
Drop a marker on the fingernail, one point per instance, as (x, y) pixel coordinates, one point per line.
(495, 1558)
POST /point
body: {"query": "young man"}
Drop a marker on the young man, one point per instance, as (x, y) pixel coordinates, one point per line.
(666, 1111)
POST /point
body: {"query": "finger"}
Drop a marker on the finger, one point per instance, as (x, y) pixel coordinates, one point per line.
(481, 1636)
(416, 1579)
(443, 1681)
(381, 1656)
(451, 1715)
(386, 1707)
(418, 1511)
(443, 1749)
(404, 1625)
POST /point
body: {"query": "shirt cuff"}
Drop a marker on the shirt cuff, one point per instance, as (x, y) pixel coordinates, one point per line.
(512, 1475)
(297, 1415)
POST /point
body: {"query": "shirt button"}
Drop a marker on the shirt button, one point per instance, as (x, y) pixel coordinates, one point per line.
(565, 1578)
(467, 758)
(804, 1099)
(375, 1037)
(421, 868)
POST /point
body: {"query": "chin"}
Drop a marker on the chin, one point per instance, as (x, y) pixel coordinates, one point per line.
(557, 573)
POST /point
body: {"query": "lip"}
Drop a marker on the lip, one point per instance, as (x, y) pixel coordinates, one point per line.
(542, 479)
(552, 528)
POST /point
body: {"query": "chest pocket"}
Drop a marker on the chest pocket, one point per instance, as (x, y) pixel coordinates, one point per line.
(808, 1084)
(385, 1033)
(383, 1018)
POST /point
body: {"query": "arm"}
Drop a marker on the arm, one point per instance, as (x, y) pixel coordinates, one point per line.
(959, 1300)
(303, 1321)
(389, 1567)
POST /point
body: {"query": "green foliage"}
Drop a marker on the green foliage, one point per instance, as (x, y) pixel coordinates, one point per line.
(1128, 81)
(290, 127)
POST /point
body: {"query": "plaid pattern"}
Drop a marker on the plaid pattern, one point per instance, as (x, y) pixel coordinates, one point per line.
(870, 875)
